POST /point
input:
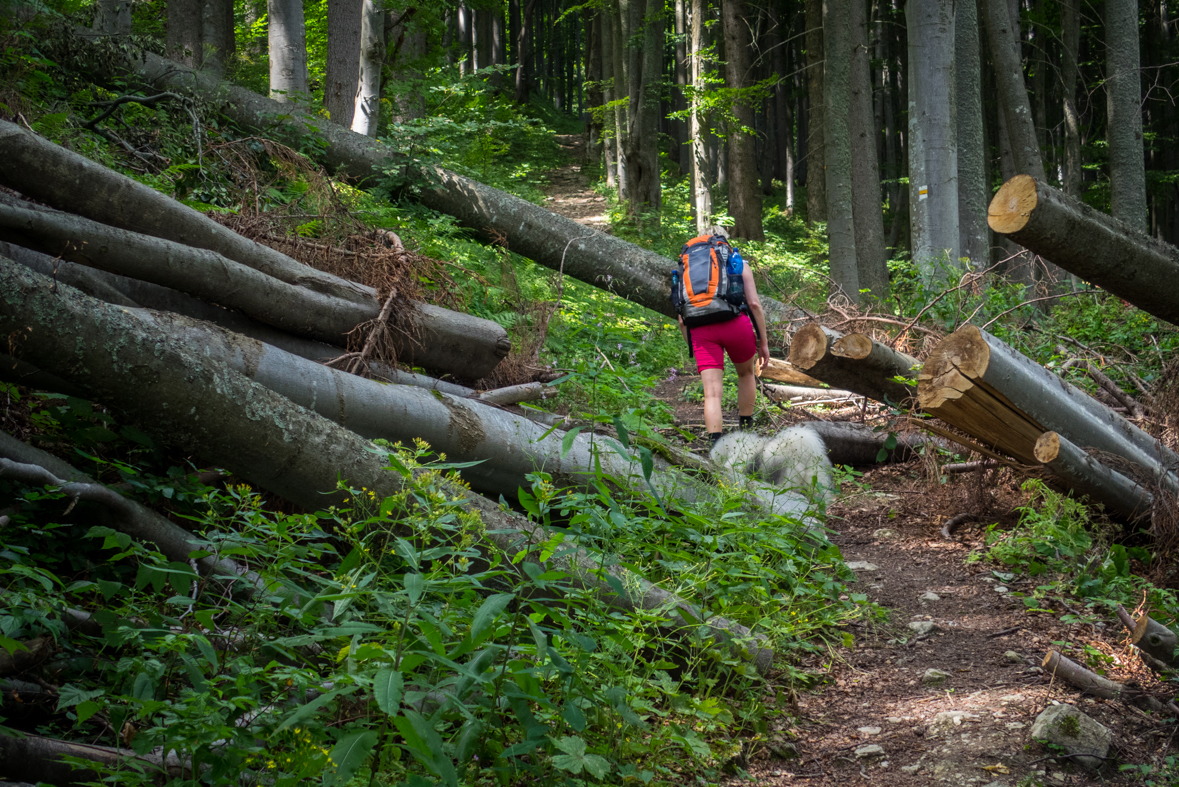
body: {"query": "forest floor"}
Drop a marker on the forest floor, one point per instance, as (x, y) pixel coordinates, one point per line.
(971, 727)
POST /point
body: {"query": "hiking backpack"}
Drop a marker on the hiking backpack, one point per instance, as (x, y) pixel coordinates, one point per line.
(703, 291)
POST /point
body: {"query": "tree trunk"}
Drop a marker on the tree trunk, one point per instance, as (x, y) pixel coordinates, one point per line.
(112, 17)
(867, 216)
(366, 112)
(859, 445)
(698, 123)
(932, 84)
(1127, 169)
(974, 238)
(855, 362)
(1090, 244)
(1085, 476)
(783, 372)
(341, 77)
(799, 394)
(33, 758)
(439, 339)
(546, 238)
(287, 45)
(645, 78)
(977, 383)
(744, 194)
(184, 32)
(1070, 23)
(620, 24)
(783, 116)
(1155, 640)
(261, 436)
(837, 42)
(610, 130)
(405, 69)
(816, 186)
(1013, 94)
(217, 35)
(679, 127)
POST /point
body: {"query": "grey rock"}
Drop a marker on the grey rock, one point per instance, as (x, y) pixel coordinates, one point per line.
(1076, 733)
(871, 750)
(1013, 657)
(928, 596)
(1000, 588)
(862, 565)
(911, 768)
(869, 730)
(885, 533)
(948, 722)
(923, 627)
(932, 676)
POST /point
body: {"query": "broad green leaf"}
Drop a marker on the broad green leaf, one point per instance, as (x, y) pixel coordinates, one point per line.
(351, 752)
(310, 709)
(12, 645)
(567, 440)
(488, 611)
(387, 687)
(415, 584)
(87, 709)
(623, 435)
(647, 461)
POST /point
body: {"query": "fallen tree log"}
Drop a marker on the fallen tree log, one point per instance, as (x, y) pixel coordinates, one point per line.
(1091, 683)
(784, 372)
(797, 393)
(31, 465)
(123, 291)
(30, 653)
(198, 404)
(38, 759)
(1090, 244)
(437, 338)
(1085, 476)
(859, 364)
(556, 242)
(514, 394)
(859, 445)
(1156, 640)
(978, 384)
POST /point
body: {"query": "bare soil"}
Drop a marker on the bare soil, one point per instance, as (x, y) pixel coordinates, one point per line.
(974, 726)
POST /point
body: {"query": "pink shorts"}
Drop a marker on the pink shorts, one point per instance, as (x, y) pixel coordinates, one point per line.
(711, 342)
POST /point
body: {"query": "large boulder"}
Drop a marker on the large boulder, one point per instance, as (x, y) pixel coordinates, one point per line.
(1088, 741)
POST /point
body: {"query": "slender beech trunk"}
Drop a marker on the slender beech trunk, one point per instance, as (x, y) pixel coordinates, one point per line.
(524, 51)
(934, 196)
(744, 194)
(973, 194)
(680, 151)
(366, 112)
(1013, 94)
(609, 93)
(343, 53)
(1123, 92)
(620, 23)
(868, 218)
(816, 185)
(184, 32)
(287, 43)
(783, 117)
(112, 17)
(699, 130)
(593, 75)
(837, 41)
(642, 144)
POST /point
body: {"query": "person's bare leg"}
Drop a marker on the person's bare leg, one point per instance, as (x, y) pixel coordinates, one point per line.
(746, 386)
(713, 380)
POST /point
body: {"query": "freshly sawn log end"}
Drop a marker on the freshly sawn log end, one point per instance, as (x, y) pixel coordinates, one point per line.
(856, 346)
(1013, 204)
(951, 367)
(809, 346)
(1047, 447)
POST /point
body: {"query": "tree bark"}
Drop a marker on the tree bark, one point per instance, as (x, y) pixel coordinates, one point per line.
(698, 123)
(867, 213)
(1127, 168)
(1086, 476)
(1070, 24)
(620, 22)
(855, 363)
(974, 238)
(1155, 640)
(343, 53)
(366, 112)
(37, 759)
(120, 359)
(524, 51)
(1091, 244)
(744, 193)
(795, 393)
(841, 238)
(816, 186)
(112, 17)
(977, 383)
(184, 32)
(784, 372)
(287, 45)
(644, 193)
(609, 128)
(546, 238)
(935, 196)
(1013, 94)
(1091, 683)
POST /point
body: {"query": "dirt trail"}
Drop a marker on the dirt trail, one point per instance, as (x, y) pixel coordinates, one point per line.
(569, 193)
(969, 727)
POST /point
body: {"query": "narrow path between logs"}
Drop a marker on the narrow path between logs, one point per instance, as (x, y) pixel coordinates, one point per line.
(969, 727)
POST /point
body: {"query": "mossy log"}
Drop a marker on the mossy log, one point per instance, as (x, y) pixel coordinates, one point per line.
(1090, 244)
(855, 363)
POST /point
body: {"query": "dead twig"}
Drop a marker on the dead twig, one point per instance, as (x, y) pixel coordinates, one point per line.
(377, 330)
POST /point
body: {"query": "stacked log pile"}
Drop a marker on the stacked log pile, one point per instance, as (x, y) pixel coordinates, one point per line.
(855, 362)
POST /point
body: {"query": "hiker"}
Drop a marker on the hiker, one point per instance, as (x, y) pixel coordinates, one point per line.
(715, 297)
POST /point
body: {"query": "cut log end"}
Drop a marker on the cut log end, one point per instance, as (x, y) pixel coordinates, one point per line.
(952, 365)
(856, 346)
(1013, 204)
(809, 346)
(1047, 447)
